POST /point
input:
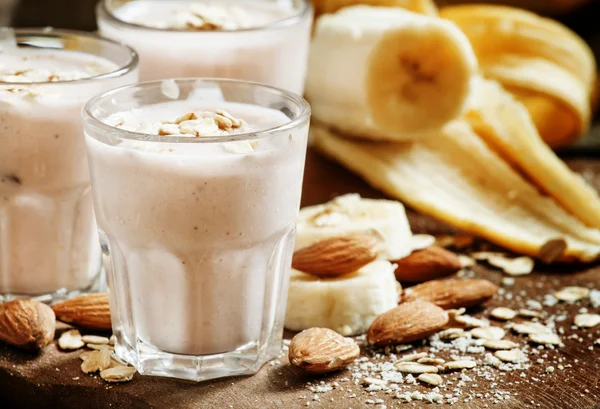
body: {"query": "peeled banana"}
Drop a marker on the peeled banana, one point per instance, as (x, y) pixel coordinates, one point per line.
(388, 74)
(346, 304)
(457, 178)
(417, 6)
(350, 214)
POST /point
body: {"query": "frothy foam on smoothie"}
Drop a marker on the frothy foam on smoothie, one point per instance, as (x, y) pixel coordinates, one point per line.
(34, 66)
(198, 16)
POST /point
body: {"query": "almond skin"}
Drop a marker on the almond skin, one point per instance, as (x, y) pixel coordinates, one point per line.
(336, 256)
(427, 264)
(410, 321)
(321, 350)
(452, 294)
(27, 324)
(90, 311)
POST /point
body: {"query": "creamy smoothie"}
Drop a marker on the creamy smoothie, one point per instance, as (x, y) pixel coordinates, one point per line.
(48, 238)
(260, 40)
(199, 224)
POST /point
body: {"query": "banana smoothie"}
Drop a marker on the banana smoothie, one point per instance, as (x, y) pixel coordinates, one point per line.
(260, 40)
(48, 238)
(197, 202)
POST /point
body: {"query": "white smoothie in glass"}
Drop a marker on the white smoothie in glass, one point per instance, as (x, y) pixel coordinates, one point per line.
(254, 40)
(196, 199)
(48, 239)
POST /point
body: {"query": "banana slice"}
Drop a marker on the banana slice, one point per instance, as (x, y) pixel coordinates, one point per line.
(457, 178)
(350, 214)
(495, 30)
(388, 74)
(346, 304)
(427, 7)
(505, 125)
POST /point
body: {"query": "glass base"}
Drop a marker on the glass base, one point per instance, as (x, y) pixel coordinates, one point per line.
(97, 285)
(148, 360)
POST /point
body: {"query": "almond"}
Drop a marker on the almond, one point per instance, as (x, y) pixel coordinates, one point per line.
(27, 324)
(427, 264)
(449, 294)
(89, 311)
(410, 321)
(321, 350)
(336, 256)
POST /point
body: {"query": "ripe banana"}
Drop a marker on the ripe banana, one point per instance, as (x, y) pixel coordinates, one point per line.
(506, 127)
(427, 7)
(388, 74)
(457, 178)
(346, 304)
(350, 214)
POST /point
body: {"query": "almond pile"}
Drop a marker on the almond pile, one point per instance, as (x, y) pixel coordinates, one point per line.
(30, 324)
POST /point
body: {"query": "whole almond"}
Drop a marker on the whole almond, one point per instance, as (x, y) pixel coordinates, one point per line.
(335, 256)
(427, 264)
(321, 350)
(410, 321)
(90, 311)
(449, 294)
(27, 324)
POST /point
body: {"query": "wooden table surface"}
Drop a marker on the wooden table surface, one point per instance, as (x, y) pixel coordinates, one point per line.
(54, 380)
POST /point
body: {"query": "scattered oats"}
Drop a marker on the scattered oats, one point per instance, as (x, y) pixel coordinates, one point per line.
(499, 344)
(414, 368)
(530, 328)
(471, 322)
(460, 364)
(403, 347)
(451, 333)
(550, 300)
(587, 320)
(529, 313)
(540, 361)
(513, 356)
(466, 261)
(512, 266)
(374, 381)
(94, 339)
(488, 333)
(413, 357)
(421, 241)
(508, 281)
(572, 294)
(455, 313)
(595, 298)
(545, 339)
(503, 313)
(118, 374)
(550, 369)
(430, 378)
(534, 305)
(70, 340)
(431, 361)
(75, 378)
(96, 361)
(98, 347)
(84, 355)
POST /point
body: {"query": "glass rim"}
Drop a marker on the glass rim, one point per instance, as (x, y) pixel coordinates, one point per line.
(61, 33)
(287, 21)
(302, 117)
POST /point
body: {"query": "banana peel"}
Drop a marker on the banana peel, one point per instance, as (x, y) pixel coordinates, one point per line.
(459, 179)
(427, 7)
(505, 125)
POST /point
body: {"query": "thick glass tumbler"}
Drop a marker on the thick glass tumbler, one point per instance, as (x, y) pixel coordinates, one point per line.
(196, 186)
(256, 40)
(48, 238)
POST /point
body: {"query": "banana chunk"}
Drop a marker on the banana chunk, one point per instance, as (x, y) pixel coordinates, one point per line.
(458, 179)
(350, 214)
(346, 304)
(417, 6)
(388, 74)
